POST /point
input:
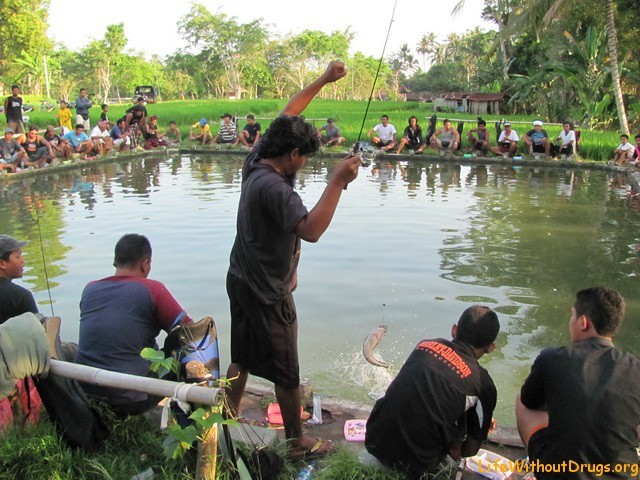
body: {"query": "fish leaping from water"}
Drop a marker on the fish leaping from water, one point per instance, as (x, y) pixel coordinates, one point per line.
(370, 343)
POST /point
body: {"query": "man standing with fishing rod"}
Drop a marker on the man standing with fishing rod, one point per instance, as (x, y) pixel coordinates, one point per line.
(263, 264)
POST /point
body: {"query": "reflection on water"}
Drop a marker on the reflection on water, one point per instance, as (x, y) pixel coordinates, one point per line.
(411, 246)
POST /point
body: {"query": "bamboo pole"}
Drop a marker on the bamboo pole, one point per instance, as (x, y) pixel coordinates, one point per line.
(188, 392)
(207, 455)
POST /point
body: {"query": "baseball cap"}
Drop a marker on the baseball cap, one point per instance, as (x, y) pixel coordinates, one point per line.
(226, 115)
(507, 124)
(9, 130)
(537, 123)
(203, 121)
(330, 120)
(9, 244)
(51, 128)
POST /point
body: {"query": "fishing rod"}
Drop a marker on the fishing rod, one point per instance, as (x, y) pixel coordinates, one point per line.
(44, 261)
(369, 155)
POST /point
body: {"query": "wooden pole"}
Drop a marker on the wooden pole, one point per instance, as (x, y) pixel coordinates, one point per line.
(188, 392)
(207, 455)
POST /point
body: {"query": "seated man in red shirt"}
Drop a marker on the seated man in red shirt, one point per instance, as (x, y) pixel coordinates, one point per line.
(119, 316)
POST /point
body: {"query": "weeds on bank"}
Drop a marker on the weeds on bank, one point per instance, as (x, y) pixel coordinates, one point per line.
(38, 453)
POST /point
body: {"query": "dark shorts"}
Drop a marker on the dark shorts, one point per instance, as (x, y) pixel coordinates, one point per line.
(264, 338)
(222, 140)
(479, 145)
(504, 146)
(568, 150)
(538, 148)
(382, 143)
(538, 444)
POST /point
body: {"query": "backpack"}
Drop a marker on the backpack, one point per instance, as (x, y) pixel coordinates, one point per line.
(76, 418)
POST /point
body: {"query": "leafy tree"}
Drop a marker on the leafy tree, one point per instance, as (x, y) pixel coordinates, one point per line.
(231, 44)
(23, 26)
(441, 77)
(103, 57)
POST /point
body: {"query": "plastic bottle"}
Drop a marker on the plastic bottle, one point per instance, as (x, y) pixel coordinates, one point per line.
(307, 472)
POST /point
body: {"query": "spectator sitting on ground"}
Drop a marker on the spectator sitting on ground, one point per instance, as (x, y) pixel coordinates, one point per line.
(101, 138)
(79, 141)
(152, 140)
(479, 137)
(537, 139)
(39, 152)
(636, 152)
(250, 134)
(441, 402)
(113, 333)
(228, 133)
(507, 142)
(412, 137)
(624, 152)
(13, 110)
(14, 299)
(580, 404)
(445, 138)
(60, 147)
(64, 117)
(172, 135)
(200, 132)
(567, 140)
(332, 137)
(121, 136)
(386, 138)
(11, 152)
(83, 104)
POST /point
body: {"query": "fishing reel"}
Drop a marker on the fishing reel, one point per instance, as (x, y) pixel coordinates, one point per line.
(366, 152)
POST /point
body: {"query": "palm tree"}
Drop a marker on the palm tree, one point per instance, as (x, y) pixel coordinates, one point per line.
(540, 13)
(427, 46)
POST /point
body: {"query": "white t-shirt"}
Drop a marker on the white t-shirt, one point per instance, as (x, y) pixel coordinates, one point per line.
(626, 147)
(96, 132)
(513, 137)
(385, 133)
(567, 137)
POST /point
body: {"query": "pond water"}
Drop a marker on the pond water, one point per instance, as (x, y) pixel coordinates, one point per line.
(411, 246)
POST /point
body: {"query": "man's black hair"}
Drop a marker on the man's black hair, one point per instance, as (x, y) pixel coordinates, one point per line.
(604, 307)
(625, 136)
(15, 86)
(130, 249)
(481, 122)
(104, 105)
(478, 326)
(285, 134)
(637, 137)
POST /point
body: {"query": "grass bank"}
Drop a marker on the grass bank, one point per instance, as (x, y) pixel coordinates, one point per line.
(135, 446)
(595, 145)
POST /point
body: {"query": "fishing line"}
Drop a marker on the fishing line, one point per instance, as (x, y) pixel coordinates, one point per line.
(375, 79)
(44, 261)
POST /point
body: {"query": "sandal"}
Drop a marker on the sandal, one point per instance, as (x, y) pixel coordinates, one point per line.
(320, 449)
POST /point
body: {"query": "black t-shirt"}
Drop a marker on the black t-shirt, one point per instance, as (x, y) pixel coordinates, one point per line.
(266, 250)
(592, 393)
(440, 395)
(14, 300)
(14, 109)
(252, 129)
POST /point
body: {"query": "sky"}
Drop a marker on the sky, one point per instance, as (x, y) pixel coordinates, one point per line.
(151, 26)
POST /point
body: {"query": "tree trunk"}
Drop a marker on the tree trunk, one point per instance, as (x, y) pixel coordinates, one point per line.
(612, 40)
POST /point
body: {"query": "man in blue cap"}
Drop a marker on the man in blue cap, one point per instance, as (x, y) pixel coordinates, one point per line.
(200, 132)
